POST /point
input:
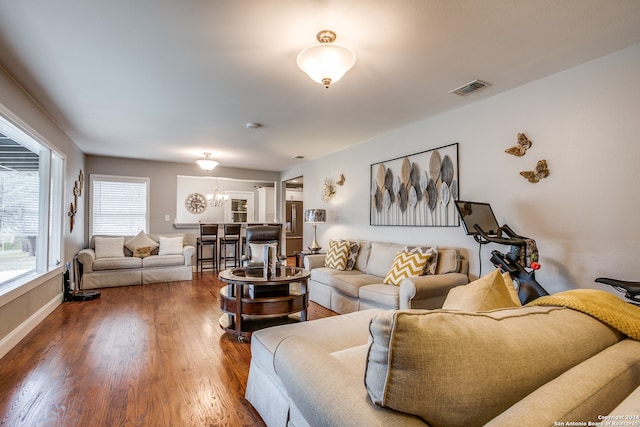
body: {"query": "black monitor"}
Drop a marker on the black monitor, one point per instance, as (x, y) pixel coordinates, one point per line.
(473, 213)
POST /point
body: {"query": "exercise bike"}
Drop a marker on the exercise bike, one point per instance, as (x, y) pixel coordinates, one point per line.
(521, 261)
(512, 261)
(631, 290)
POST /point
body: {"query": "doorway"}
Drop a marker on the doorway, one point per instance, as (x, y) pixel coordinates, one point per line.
(294, 215)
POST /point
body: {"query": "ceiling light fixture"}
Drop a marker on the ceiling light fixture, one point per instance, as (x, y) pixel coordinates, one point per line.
(326, 62)
(207, 163)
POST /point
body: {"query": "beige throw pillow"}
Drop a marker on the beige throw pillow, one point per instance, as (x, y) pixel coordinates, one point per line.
(109, 247)
(141, 240)
(448, 261)
(453, 368)
(490, 292)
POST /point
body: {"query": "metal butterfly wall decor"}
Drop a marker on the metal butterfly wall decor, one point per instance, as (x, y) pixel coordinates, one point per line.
(541, 171)
(523, 145)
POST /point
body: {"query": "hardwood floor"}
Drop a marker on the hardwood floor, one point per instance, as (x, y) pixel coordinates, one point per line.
(151, 355)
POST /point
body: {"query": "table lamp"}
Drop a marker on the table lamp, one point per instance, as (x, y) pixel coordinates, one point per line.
(315, 216)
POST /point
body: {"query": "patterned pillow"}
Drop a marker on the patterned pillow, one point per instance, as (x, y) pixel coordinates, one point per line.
(142, 252)
(354, 248)
(337, 255)
(405, 265)
(432, 251)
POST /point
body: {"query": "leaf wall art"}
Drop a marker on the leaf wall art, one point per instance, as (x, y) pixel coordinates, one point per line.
(416, 190)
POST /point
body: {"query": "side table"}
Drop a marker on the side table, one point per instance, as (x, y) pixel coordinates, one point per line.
(300, 257)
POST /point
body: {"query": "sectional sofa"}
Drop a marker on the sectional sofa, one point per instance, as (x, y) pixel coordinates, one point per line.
(531, 366)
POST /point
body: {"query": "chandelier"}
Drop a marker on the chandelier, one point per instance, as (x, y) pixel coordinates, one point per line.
(217, 199)
(326, 62)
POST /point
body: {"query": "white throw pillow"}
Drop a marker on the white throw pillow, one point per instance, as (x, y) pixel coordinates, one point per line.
(109, 247)
(170, 245)
(141, 240)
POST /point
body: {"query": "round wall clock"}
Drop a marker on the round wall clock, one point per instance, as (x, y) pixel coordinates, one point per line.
(196, 203)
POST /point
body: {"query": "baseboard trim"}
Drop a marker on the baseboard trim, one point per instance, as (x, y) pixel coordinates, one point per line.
(15, 336)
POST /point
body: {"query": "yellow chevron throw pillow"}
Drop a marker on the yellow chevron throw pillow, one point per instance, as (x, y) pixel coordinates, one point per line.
(406, 265)
(337, 255)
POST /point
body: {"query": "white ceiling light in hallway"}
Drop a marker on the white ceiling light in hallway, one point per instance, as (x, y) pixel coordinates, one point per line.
(207, 163)
(326, 62)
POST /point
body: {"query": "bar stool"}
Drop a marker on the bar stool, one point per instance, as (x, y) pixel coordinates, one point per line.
(231, 237)
(208, 237)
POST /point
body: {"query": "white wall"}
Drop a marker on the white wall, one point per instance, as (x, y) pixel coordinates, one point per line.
(584, 121)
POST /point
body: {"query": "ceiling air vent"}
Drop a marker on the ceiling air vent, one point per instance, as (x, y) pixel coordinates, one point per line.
(470, 87)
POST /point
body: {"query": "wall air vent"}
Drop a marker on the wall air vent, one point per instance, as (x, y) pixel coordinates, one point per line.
(470, 87)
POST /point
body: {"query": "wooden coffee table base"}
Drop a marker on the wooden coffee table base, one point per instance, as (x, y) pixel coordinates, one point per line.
(244, 314)
(252, 324)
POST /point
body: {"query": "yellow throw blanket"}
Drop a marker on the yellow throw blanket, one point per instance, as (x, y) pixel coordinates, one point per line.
(602, 305)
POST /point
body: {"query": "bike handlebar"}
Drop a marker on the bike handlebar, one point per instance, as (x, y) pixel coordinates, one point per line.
(513, 239)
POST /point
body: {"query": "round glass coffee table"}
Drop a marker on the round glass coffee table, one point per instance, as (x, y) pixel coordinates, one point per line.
(252, 301)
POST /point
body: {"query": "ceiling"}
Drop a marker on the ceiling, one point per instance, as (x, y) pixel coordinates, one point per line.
(168, 80)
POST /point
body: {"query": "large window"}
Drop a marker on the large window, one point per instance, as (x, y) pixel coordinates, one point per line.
(31, 192)
(119, 205)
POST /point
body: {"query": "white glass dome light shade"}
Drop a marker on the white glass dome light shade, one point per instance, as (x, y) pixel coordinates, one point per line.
(207, 163)
(326, 62)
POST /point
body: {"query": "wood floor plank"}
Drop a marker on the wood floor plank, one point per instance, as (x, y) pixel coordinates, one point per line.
(151, 355)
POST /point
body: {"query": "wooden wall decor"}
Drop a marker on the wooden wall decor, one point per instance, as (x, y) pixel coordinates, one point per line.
(73, 206)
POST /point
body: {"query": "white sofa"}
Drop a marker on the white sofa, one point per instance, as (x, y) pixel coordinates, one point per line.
(125, 270)
(526, 366)
(361, 288)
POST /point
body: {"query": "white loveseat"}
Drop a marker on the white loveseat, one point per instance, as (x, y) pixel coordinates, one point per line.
(362, 287)
(168, 259)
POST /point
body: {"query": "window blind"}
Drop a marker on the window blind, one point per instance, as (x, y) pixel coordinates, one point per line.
(119, 205)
